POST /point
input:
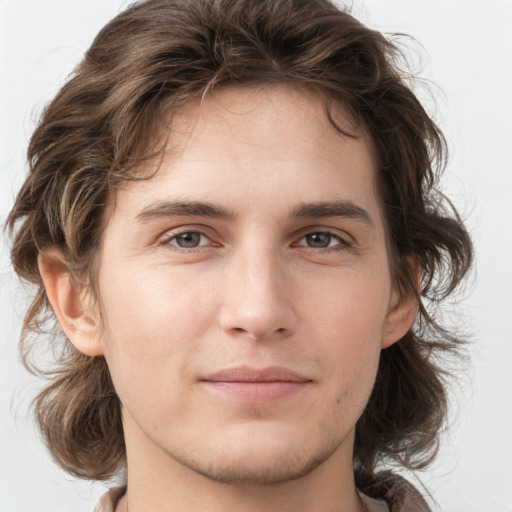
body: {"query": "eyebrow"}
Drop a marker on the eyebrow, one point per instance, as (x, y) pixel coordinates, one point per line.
(345, 209)
(163, 209)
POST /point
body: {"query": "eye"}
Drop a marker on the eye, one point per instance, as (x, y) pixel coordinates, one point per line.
(322, 240)
(189, 240)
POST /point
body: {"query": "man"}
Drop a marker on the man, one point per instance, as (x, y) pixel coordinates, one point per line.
(232, 214)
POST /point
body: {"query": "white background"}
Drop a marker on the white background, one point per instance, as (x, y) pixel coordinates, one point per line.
(468, 54)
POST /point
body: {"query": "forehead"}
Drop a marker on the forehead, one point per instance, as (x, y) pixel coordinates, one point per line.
(265, 147)
(279, 119)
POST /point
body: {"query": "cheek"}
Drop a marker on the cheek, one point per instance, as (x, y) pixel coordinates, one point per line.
(352, 305)
(156, 304)
(347, 324)
(154, 324)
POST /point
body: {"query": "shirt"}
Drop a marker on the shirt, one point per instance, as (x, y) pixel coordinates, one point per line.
(392, 494)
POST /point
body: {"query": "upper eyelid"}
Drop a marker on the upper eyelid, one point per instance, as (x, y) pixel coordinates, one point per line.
(339, 233)
(169, 236)
(211, 233)
(166, 238)
(173, 232)
(179, 233)
(341, 240)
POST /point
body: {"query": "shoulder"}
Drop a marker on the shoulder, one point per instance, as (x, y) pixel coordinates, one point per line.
(385, 488)
(110, 500)
(372, 505)
(396, 491)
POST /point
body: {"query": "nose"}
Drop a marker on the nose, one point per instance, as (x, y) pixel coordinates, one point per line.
(257, 297)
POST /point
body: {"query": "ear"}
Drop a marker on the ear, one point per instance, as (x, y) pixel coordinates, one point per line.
(402, 312)
(73, 309)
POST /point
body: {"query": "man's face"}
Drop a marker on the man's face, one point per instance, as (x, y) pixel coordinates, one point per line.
(246, 290)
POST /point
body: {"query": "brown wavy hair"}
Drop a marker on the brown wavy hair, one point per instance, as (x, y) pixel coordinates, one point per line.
(103, 123)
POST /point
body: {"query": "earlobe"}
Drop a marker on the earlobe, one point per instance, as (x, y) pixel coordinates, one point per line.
(402, 313)
(74, 313)
(403, 308)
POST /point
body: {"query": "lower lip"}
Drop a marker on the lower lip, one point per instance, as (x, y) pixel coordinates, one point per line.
(257, 392)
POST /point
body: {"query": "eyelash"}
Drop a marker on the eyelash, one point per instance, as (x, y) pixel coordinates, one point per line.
(168, 241)
(341, 246)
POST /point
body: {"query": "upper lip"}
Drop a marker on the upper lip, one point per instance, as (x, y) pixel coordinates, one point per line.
(249, 374)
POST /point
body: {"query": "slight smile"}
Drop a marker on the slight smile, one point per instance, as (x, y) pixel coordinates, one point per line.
(257, 385)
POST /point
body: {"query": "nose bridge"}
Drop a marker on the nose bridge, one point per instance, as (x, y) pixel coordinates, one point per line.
(256, 294)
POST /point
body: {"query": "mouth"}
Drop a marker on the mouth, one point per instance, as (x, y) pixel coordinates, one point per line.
(257, 385)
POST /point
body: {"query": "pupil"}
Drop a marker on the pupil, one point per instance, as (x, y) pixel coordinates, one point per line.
(319, 239)
(188, 239)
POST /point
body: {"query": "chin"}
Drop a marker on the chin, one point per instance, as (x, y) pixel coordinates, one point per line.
(277, 469)
(256, 462)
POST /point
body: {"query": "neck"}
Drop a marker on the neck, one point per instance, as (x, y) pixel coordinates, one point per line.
(158, 482)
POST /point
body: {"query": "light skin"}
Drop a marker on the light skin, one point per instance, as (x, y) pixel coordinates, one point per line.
(256, 253)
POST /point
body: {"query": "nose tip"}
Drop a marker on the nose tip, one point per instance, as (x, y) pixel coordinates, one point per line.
(257, 303)
(254, 325)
